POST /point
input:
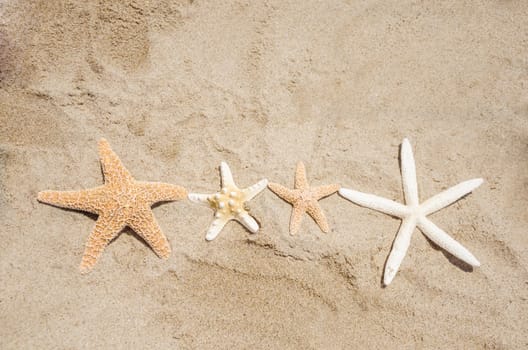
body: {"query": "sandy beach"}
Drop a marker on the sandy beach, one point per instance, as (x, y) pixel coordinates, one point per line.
(176, 87)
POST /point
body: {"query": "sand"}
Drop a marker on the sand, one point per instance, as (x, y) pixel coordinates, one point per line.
(178, 86)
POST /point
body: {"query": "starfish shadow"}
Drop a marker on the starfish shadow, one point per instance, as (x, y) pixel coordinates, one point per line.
(90, 215)
(159, 204)
(382, 285)
(462, 265)
(400, 159)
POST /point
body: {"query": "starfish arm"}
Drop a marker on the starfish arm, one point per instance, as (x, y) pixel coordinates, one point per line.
(296, 218)
(154, 192)
(300, 176)
(226, 175)
(107, 227)
(374, 202)
(315, 211)
(446, 242)
(252, 191)
(399, 249)
(114, 171)
(283, 192)
(325, 191)
(249, 222)
(89, 200)
(144, 223)
(408, 171)
(449, 196)
(200, 198)
(216, 226)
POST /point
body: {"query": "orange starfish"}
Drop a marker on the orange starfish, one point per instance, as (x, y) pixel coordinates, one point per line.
(304, 199)
(121, 201)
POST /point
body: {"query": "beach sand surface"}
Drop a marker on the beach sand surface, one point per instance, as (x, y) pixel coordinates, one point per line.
(176, 87)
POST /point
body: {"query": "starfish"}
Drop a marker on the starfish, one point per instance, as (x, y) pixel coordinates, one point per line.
(121, 201)
(230, 203)
(304, 199)
(414, 214)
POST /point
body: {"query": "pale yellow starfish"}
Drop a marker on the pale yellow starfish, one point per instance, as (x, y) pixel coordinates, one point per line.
(230, 203)
(304, 199)
(121, 201)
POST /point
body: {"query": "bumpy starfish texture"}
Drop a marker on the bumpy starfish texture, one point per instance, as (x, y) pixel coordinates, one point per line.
(229, 203)
(121, 201)
(304, 199)
(414, 214)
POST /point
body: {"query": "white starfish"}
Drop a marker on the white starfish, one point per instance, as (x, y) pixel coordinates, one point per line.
(413, 214)
(229, 203)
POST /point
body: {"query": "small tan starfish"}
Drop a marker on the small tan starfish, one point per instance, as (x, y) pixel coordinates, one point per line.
(304, 199)
(121, 201)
